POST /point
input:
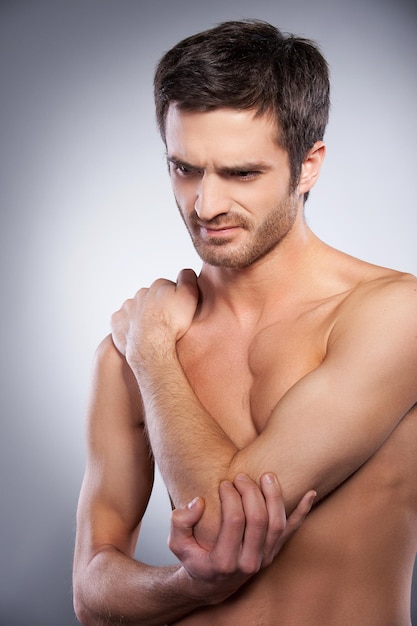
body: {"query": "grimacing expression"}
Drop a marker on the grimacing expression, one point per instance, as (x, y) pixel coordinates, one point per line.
(231, 182)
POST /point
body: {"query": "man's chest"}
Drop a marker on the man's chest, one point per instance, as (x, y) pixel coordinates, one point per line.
(240, 378)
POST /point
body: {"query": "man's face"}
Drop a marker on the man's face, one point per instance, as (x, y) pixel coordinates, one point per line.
(231, 182)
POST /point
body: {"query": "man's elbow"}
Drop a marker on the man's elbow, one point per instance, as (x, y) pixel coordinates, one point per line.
(82, 613)
(82, 601)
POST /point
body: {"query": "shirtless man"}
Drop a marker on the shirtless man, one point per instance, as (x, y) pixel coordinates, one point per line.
(283, 358)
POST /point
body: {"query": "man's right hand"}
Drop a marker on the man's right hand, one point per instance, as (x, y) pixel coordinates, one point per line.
(253, 530)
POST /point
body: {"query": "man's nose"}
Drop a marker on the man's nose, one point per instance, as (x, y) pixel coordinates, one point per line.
(212, 198)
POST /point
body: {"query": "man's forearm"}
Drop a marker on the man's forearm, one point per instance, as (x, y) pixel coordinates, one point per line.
(115, 588)
(192, 451)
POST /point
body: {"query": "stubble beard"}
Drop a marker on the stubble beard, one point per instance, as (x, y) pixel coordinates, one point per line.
(271, 232)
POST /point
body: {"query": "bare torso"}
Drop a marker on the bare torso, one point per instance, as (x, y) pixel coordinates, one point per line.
(351, 562)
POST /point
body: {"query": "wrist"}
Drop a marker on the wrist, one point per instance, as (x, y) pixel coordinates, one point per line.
(200, 592)
(151, 358)
(193, 590)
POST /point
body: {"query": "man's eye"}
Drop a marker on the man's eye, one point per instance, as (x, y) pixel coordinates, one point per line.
(184, 170)
(244, 174)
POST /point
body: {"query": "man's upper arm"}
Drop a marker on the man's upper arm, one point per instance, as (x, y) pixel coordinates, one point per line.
(119, 472)
(336, 417)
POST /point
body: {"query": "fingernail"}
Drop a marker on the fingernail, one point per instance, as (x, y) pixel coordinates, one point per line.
(192, 504)
(270, 478)
(242, 478)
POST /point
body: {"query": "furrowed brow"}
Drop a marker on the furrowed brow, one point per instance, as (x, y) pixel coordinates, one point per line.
(250, 166)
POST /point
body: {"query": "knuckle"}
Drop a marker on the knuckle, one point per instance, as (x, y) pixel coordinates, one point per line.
(267, 560)
(224, 567)
(251, 566)
(161, 283)
(226, 570)
(172, 544)
(258, 519)
(236, 519)
(278, 525)
(177, 548)
(175, 522)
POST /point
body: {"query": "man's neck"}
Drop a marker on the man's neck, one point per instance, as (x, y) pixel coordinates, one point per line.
(285, 274)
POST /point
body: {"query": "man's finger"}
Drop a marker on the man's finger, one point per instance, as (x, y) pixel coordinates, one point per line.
(182, 522)
(187, 279)
(187, 276)
(229, 541)
(297, 517)
(257, 521)
(277, 521)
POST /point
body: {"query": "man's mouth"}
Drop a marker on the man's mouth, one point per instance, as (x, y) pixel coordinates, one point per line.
(219, 231)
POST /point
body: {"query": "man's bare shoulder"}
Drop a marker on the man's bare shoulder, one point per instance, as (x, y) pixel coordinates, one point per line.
(107, 351)
(108, 358)
(383, 285)
(385, 301)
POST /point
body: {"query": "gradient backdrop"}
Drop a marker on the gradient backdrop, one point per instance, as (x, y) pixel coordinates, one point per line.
(87, 218)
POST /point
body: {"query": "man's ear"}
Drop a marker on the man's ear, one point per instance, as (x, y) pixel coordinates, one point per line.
(310, 169)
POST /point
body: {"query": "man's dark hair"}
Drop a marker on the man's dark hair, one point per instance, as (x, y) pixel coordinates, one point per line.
(250, 64)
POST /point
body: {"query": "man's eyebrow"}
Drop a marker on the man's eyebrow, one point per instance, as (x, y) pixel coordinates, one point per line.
(247, 166)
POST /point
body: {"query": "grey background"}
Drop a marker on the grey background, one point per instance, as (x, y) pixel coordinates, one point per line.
(87, 218)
